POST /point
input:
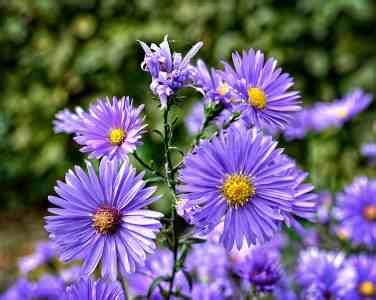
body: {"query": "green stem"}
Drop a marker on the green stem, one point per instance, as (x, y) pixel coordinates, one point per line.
(145, 165)
(170, 180)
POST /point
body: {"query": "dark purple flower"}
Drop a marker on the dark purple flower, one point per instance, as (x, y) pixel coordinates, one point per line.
(356, 210)
(211, 84)
(237, 177)
(169, 71)
(101, 218)
(67, 121)
(111, 129)
(88, 289)
(262, 90)
(364, 287)
(44, 252)
(261, 267)
(324, 275)
(156, 265)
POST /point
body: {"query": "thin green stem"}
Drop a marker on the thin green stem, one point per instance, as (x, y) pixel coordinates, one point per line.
(145, 165)
(170, 180)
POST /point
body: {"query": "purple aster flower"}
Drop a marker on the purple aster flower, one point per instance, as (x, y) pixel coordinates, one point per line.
(261, 267)
(365, 278)
(71, 274)
(299, 126)
(237, 177)
(262, 90)
(304, 204)
(101, 218)
(195, 118)
(324, 275)
(88, 289)
(20, 290)
(209, 264)
(325, 202)
(156, 265)
(111, 129)
(208, 261)
(44, 253)
(369, 151)
(283, 290)
(67, 121)
(356, 210)
(335, 114)
(169, 71)
(211, 84)
(48, 287)
(203, 291)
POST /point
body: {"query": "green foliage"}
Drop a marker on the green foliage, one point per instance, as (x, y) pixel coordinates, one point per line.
(63, 53)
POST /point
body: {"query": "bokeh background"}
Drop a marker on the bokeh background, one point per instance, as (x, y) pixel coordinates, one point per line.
(63, 53)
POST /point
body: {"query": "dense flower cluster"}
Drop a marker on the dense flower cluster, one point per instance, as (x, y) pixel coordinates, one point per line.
(236, 190)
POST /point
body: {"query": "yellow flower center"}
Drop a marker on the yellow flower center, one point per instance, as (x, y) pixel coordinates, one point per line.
(256, 98)
(117, 136)
(341, 112)
(367, 289)
(223, 89)
(342, 234)
(238, 190)
(106, 220)
(370, 212)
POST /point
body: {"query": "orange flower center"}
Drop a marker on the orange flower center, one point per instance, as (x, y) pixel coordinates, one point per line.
(370, 212)
(367, 289)
(106, 220)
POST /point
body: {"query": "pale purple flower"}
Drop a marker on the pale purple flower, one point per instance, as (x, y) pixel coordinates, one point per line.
(68, 122)
(195, 118)
(45, 252)
(169, 71)
(336, 113)
(101, 218)
(110, 128)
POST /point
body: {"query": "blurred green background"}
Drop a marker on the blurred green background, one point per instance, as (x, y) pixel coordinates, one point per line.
(63, 53)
